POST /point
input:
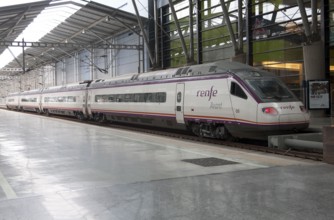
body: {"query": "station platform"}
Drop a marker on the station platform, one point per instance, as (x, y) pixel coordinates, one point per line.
(317, 123)
(57, 169)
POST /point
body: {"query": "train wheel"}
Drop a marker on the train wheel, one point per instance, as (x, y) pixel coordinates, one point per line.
(47, 113)
(195, 128)
(222, 133)
(99, 117)
(80, 116)
(103, 118)
(96, 117)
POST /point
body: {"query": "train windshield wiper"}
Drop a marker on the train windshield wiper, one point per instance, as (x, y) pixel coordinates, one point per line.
(279, 98)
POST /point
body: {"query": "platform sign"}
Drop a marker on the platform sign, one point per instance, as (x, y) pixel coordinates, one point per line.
(318, 94)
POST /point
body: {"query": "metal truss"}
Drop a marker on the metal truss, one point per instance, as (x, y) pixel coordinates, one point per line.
(11, 70)
(69, 45)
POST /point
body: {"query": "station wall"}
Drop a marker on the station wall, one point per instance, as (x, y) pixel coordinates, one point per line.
(101, 63)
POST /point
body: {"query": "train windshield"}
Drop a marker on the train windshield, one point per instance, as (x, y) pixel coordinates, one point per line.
(271, 89)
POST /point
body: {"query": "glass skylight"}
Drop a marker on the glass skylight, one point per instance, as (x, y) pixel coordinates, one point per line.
(4, 3)
(45, 22)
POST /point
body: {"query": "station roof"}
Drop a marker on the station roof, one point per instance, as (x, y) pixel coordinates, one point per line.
(91, 25)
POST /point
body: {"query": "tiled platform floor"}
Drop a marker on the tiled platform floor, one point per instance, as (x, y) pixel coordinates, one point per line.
(55, 169)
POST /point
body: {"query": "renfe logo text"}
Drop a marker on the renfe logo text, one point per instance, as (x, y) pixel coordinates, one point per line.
(207, 93)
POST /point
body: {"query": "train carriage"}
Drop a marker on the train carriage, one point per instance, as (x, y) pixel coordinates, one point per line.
(65, 100)
(140, 99)
(31, 100)
(13, 101)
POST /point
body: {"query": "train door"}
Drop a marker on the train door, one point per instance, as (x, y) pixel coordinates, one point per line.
(85, 103)
(179, 103)
(40, 102)
(18, 102)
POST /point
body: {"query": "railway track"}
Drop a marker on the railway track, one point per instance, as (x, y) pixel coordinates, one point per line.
(242, 144)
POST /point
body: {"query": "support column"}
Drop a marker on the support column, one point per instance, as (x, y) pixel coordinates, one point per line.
(241, 58)
(199, 31)
(156, 34)
(314, 67)
(63, 73)
(328, 140)
(191, 33)
(314, 61)
(23, 58)
(249, 33)
(92, 65)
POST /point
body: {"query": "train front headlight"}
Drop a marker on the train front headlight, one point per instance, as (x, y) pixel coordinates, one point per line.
(270, 110)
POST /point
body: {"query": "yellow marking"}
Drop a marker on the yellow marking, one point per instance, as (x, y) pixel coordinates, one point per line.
(7, 189)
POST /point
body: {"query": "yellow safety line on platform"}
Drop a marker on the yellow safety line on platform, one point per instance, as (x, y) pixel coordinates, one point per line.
(7, 189)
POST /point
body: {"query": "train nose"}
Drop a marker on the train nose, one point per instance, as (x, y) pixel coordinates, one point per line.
(292, 118)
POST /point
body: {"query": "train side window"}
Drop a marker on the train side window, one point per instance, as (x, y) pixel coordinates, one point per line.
(161, 97)
(185, 71)
(128, 98)
(237, 91)
(119, 98)
(148, 97)
(71, 99)
(111, 98)
(137, 97)
(154, 97)
(178, 72)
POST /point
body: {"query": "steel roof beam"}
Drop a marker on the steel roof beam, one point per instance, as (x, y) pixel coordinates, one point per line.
(69, 45)
(191, 33)
(11, 69)
(303, 14)
(150, 54)
(54, 57)
(116, 12)
(21, 16)
(240, 27)
(15, 57)
(177, 24)
(88, 27)
(70, 39)
(229, 25)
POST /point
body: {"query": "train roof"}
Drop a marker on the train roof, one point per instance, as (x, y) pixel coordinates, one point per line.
(13, 94)
(64, 88)
(244, 71)
(31, 92)
(187, 71)
(219, 67)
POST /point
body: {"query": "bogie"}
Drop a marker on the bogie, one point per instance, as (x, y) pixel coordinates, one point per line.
(210, 130)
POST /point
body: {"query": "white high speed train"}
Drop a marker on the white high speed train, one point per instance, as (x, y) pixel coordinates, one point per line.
(216, 100)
